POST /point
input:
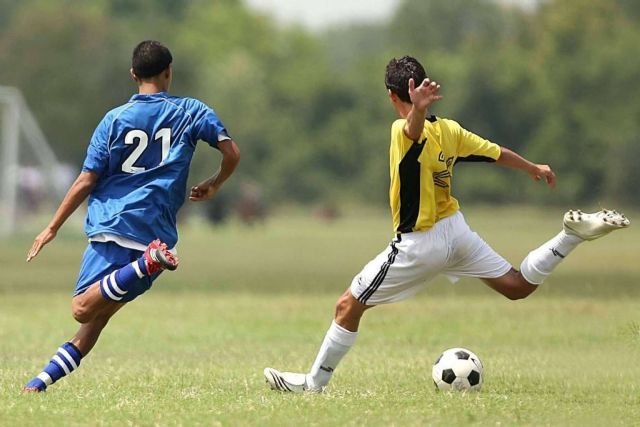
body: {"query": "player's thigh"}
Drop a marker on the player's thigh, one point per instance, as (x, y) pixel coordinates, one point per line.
(471, 256)
(400, 270)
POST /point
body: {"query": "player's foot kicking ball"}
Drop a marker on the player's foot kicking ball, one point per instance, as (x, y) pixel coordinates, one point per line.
(590, 226)
(287, 381)
(157, 257)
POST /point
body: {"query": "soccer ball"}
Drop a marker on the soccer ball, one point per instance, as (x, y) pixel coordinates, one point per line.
(458, 369)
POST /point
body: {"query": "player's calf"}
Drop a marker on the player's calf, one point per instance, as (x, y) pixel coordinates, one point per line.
(512, 285)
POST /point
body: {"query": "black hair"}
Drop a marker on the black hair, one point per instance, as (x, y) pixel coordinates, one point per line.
(398, 73)
(150, 58)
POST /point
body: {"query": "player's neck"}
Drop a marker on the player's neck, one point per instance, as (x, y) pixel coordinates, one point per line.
(403, 109)
(145, 88)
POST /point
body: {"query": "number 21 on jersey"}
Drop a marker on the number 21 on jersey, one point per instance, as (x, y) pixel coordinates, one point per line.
(142, 139)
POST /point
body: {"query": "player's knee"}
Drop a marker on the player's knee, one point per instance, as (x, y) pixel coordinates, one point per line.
(80, 311)
(80, 314)
(348, 309)
(343, 305)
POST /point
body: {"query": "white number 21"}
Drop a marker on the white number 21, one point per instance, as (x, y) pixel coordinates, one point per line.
(142, 138)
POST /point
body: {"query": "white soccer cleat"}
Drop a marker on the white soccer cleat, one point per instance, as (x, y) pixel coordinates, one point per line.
(590, 226)
(286, 381)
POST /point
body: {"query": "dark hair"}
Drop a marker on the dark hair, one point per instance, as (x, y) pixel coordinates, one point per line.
(150, 58)
(398, 73)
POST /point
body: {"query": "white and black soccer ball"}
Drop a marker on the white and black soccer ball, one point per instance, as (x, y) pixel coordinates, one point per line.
(458, 369)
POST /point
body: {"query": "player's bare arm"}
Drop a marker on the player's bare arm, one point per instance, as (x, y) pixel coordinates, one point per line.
(208, 188)
(537, 172)
(78, 192)
(422, 97)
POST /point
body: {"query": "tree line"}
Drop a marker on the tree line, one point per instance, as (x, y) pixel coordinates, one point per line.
(557, 83)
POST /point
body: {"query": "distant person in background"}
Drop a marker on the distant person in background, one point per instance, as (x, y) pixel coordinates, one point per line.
(432, 236)
(32, 189)
(251, 205)
(135, 175)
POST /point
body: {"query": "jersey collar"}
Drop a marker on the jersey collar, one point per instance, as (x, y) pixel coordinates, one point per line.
(149, 96)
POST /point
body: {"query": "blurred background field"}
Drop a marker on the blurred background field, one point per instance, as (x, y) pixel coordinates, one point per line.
(296, 252)
(554, 80)
(192, 350)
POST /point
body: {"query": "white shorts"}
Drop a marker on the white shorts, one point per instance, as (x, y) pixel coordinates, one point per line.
(412, 259)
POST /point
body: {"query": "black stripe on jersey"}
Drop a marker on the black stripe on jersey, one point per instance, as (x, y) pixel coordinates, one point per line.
(377, 281)
(409, 172)
(474, 158)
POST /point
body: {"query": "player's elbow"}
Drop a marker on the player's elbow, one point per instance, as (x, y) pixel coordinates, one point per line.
(230, 153)
(234, 153)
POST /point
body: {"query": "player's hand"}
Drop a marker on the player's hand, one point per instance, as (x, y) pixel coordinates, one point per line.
(206, 190)
(47, 235)
(539, 172)
(424, 95)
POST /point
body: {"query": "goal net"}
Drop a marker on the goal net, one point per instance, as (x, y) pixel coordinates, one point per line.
(33, 180)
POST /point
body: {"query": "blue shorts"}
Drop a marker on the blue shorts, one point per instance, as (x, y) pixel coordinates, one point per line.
(101, 259)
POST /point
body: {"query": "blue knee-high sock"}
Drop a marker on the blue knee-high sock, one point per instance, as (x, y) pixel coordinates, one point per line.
(66, 360)
(114, 286)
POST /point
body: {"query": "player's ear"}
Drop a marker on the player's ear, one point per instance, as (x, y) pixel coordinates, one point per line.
(168, 75)
(133, 75)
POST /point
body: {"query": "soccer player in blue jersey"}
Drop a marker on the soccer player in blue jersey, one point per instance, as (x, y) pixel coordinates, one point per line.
(135, 176)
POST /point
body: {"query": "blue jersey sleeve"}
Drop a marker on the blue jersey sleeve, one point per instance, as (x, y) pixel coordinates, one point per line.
(97, 159)
(209, 128)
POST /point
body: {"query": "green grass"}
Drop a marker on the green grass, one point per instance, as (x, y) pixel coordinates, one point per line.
(192, 350)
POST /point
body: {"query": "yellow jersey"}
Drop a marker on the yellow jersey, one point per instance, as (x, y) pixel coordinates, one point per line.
(421, 171)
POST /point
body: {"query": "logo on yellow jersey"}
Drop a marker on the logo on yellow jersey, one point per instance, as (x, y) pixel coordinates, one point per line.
(440, 176)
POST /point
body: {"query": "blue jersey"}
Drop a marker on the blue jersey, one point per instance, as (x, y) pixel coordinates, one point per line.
(142, 151)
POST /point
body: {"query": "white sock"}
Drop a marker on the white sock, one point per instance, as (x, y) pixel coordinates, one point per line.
(540, 262)
(336, 344)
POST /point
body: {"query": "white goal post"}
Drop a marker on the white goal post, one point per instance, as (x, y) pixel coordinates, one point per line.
(17, 122)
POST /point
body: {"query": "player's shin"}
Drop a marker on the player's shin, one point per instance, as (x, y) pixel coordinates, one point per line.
(541, 262)
(66, 360)
(336, 344)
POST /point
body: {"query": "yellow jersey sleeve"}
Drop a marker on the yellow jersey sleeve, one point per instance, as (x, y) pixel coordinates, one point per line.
(470, 144)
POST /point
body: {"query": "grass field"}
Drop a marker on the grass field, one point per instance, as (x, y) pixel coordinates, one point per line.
(192, 350)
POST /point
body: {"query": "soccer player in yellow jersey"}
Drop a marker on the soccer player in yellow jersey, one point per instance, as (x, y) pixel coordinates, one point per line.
(432, 236)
